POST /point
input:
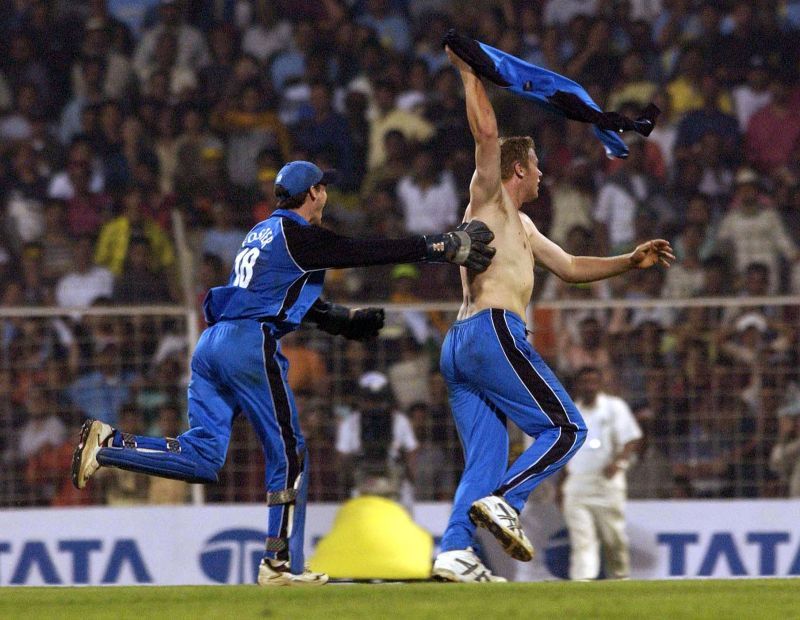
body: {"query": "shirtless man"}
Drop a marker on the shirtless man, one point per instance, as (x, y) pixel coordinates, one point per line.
(491, 369)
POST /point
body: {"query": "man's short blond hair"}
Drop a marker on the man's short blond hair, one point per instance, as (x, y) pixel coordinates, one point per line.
(512, 150)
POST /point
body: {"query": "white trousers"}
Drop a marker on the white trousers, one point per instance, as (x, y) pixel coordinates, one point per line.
(595, 524)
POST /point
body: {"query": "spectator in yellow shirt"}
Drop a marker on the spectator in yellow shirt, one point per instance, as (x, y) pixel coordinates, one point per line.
(115, 236)
(685, 91)
(388, 117)
(249, 128)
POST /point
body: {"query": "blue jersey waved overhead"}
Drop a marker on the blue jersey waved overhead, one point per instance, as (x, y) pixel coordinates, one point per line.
(552, 90)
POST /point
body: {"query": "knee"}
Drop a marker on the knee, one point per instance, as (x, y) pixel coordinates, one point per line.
(578, 431)
(579, 426)
(580, 436)
(208, 451)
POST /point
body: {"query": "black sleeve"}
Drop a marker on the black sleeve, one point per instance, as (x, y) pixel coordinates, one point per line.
(314, 247)
(471, 53)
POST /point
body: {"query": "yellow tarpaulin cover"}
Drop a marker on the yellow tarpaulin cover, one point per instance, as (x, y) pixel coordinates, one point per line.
(374, 538)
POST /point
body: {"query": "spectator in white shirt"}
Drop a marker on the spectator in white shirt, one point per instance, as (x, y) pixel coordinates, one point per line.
(428, 196)
(784, 458)
(86, 282)
(96, 44)
(755, 231)
(164, 71)
(688, 276)
(16, 125)
(594, 489)
(61, 186)
(629, 194)
(754, 94)
(42, 427)
(376, 444)
(268, 35)
(560, 12)
(192, 52)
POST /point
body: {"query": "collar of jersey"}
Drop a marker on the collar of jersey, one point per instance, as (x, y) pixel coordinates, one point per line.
(292, 216)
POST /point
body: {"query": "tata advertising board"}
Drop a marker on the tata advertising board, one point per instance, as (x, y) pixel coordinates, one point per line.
(175, 545)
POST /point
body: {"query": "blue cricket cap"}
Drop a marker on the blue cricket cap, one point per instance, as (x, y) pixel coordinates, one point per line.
(297, 176)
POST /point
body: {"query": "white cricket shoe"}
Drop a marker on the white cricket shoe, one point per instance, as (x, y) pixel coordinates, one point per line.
(276, 573)
(462, 566)
(497, 516)
(94, 435)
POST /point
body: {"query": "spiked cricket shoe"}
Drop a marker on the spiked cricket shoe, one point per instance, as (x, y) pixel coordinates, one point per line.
(462, 566)
(497, 516)
(276, 573)
(94, 435)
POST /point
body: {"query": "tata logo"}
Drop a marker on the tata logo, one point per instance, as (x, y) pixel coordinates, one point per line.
(722, 551)
(233, 556)
(263, 236)
(35, 561)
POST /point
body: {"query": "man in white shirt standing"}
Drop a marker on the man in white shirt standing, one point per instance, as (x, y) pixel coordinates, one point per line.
(594, 489)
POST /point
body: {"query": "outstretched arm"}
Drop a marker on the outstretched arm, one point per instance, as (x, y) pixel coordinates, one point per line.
(313, 248)
(483, 125)
(648, 254)
(590, 268)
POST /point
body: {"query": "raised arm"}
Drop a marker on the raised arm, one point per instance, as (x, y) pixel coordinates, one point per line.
(483, 125)
(590, 268)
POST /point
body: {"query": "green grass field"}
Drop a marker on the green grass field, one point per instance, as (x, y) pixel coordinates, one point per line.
(728, 599)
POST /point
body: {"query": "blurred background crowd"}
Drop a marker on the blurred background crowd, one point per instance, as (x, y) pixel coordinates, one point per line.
(122, 119)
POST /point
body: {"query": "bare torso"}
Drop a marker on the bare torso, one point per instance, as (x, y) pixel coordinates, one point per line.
(508, 282)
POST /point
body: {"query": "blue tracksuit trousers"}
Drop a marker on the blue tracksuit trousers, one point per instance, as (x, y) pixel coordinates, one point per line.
(237, 367)
(492, 372)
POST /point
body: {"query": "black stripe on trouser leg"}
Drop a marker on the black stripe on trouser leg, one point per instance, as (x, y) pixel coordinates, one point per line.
(541, 392)
(560, 449)
(543, 395)
(283, 414)
(495, 410)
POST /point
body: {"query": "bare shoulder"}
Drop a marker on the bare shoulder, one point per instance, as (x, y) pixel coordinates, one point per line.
(538, 242)
(486, 202)
(528, 225)
(527, 222)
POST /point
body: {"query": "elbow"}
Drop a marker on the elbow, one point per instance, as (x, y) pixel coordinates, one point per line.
(574, 271)
(570, 274)
(487, 133)
(484, 127)
(570, 277)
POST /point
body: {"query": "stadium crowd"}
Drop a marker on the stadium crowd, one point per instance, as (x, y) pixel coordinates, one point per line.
(119, 117)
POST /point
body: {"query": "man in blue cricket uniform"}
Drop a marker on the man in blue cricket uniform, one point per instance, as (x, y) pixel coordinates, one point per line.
(238, 367)
(492, 372)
